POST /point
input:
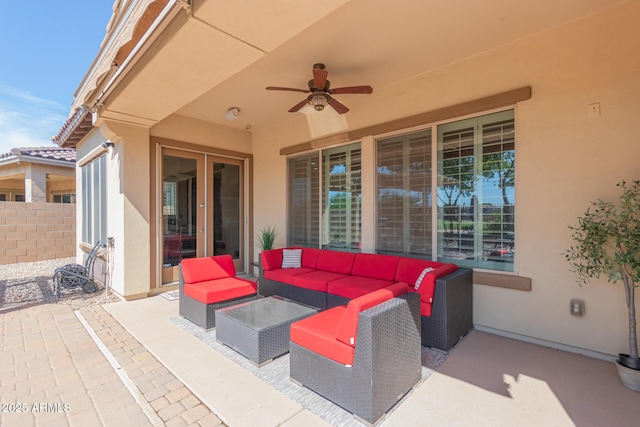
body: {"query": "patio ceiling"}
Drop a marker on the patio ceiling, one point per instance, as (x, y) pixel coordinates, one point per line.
(226, 53)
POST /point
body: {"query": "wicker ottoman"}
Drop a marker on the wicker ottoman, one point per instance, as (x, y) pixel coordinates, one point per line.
(259, 330)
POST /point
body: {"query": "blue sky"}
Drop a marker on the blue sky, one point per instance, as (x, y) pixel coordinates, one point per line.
(46, 48)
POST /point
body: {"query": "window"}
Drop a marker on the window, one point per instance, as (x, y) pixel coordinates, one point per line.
(333, 179)
(3, 197)
(341, 198)
(304, 201)
(18, 198)
(403, 167)
(94, 201)
(64, 198)
(476, 170)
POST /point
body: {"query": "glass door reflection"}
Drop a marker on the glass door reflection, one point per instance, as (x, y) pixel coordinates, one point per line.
(182, 217)
(226, 214)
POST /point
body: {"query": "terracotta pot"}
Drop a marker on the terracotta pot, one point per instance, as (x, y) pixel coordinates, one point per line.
(630, 377)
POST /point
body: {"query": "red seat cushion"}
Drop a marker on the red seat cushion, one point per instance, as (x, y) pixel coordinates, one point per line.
(316, 280)
(355, 286)
(213, 291)
(348, 326)
(196, 270)
(426, 308)
(335, 262)
(318, 334)
(285, 275)
(375, 266)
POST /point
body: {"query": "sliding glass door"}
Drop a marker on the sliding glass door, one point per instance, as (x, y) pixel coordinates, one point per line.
(202, 211)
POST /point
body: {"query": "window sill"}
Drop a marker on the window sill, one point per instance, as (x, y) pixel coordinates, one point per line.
(86, 248)
(507, 281)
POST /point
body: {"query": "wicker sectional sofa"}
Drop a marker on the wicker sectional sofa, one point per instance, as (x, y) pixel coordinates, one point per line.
(327, 279)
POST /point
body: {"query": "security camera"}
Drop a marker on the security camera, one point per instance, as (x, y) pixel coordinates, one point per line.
(107, 144)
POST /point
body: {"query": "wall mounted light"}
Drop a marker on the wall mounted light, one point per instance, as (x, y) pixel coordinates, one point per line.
(232, 113)
(107, 144)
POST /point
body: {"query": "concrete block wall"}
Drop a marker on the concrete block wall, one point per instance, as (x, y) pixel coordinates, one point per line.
(36, 231)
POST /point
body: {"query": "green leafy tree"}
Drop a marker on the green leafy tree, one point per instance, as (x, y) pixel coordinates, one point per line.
(608, 243)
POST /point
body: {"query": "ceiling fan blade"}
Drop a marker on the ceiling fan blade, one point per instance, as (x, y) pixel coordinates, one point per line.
(286, 88)
(319, 78)
(352, 89)
(340, 108)
(298, 106)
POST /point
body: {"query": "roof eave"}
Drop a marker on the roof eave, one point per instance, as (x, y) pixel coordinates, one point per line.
(74, 129)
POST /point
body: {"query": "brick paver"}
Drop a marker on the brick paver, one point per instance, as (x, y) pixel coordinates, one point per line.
(52, 373)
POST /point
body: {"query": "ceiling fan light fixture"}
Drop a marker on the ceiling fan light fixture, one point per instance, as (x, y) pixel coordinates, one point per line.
(318, 101)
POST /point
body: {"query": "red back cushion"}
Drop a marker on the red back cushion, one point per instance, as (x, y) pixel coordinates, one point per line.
(335, 261)
(375, 266)
(348, 326)
(310, 257)
(271, 259)
(196, 270)
(410, 268)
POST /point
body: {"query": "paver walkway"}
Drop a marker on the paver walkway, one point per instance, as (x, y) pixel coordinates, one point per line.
(53, 373)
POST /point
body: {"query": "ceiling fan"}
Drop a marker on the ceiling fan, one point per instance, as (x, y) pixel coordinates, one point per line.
(320, 92)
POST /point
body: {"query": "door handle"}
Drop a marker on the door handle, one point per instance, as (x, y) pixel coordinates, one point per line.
(202, 230)
(202, 205)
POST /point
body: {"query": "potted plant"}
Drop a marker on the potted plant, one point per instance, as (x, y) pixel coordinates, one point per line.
(608, 243)
(267, 237)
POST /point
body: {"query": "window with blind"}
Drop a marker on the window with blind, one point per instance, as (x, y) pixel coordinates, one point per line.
(341, 198)
(94, 201)
(403, 169)
(476, 189)
(304, 201)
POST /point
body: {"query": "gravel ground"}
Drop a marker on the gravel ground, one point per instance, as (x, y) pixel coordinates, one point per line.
(32, 283)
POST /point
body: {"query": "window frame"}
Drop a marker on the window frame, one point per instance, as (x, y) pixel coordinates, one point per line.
(94, 183)
(481, 119)
(404, 141)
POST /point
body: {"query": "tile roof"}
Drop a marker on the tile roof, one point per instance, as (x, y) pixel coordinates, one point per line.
(50, 153)
(74, 129)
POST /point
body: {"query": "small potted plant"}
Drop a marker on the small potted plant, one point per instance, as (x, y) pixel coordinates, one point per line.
(267, 237)
(608, 243)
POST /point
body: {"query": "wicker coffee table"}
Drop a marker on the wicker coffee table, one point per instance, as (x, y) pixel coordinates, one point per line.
(259, 330)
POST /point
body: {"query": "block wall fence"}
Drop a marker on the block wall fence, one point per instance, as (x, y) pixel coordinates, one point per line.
(36, 231)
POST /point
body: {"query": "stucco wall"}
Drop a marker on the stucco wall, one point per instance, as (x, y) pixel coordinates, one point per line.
(564, 159)
(36, 231)
(185, 129)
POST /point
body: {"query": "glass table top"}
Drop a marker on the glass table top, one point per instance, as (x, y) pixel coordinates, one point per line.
(267, 312)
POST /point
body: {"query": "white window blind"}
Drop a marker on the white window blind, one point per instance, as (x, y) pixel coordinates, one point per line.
(476, 166)
(94, 201)
(304, 201)
(342, 198)
(404, 195)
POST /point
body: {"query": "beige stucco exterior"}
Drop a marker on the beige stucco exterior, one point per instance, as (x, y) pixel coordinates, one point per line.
(565, 157)
(36, 182)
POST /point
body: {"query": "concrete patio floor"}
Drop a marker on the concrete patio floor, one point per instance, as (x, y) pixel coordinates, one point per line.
(487, 380)
(48, 356)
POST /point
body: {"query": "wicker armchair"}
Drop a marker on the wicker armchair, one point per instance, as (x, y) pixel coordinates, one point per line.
(208, 284)
(386, 362)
